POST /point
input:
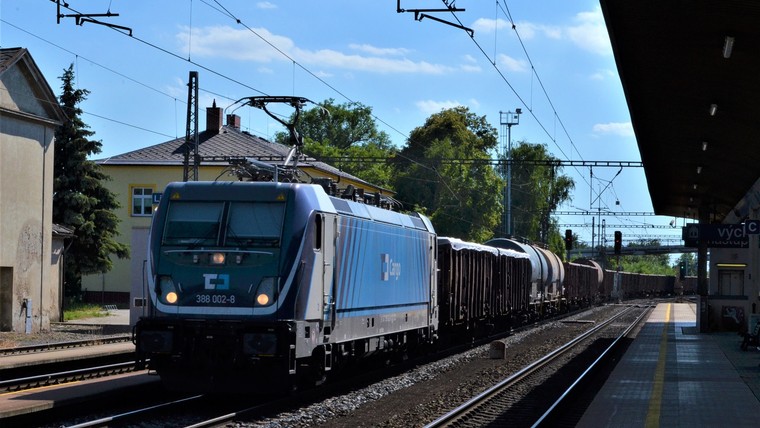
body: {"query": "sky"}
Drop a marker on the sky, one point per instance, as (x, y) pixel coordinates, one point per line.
(550, 58)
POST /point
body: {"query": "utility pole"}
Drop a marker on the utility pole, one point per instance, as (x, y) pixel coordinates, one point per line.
(190, 170)
(508, 119)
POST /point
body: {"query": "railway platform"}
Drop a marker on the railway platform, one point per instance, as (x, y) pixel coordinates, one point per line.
(672, 375)
(29, 401)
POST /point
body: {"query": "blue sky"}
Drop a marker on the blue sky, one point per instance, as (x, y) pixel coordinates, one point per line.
(556, 65)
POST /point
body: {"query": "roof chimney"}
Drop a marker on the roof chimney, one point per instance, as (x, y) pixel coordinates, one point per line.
(213, 118)
(233, 121)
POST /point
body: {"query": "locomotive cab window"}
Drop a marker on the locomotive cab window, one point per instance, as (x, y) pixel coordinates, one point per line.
(193, 223)
(318, 232)
(257, 224)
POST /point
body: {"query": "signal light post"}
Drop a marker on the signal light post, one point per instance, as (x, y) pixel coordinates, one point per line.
(618, 247)
(508, 119)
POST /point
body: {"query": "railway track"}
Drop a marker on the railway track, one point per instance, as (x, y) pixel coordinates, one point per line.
(61, 377)
(206, 412)
(57, 346)
(45, 367)
(531, 396)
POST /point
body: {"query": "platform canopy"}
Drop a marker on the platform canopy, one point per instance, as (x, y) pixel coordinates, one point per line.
(690, 70)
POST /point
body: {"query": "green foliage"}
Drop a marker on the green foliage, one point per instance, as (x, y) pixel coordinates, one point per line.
(537, 190)
(445, 169)
(346, 137)
(80, 201)
(653, 264)
(80, 310)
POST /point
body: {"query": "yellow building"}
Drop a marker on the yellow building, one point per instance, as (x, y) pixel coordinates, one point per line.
(140, 176)
(29, 255)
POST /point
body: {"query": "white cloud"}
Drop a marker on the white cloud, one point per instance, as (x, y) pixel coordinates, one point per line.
(512, 64)
(178, 89)
(529, 30)
(470, 65)
(603, 75)
(486, 25)
(227, 42)
(623, 129)
(470, 68)
(590, 33)
(242, 45)
(266, 5)
(431, 107)
(329, 57)
(373, 50)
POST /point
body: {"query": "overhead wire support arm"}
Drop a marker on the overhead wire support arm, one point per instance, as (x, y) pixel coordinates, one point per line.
(81, 18)
(419, 14)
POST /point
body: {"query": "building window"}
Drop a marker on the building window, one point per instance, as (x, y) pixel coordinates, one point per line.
(142, 201)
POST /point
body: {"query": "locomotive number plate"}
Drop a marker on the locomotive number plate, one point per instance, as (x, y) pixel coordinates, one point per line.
(214, 299)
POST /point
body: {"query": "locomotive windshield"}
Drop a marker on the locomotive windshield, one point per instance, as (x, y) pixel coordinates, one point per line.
(247, 224)
(193, 223)
(255, 224)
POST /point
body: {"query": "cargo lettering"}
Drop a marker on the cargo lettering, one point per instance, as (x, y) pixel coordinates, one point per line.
(389, 268)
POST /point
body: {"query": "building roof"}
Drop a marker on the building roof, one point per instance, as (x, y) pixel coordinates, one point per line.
(219, 147)
(671, 61)
(60, 231)
(29, 94)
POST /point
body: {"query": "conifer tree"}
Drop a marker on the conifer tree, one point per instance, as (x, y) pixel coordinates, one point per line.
(80, 200)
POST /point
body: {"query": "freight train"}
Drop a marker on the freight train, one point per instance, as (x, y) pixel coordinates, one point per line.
(254, 285)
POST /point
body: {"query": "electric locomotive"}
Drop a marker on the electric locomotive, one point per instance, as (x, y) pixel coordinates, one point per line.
(255, 285)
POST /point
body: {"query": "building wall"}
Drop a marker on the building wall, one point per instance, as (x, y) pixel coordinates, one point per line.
(733, 290)
(114, 287)
(26, 194)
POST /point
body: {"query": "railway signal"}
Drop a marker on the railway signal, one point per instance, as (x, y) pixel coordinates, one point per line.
(618, 241)
(568, 239)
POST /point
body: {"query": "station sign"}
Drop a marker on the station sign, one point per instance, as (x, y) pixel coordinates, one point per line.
(720, 235)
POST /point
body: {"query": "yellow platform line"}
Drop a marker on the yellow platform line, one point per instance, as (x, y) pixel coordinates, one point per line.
(655, 400)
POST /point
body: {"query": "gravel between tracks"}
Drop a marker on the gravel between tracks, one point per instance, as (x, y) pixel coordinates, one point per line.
(420, 396)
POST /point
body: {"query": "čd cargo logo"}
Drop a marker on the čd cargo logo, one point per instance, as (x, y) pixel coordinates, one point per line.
(389, 268)
(216, 281)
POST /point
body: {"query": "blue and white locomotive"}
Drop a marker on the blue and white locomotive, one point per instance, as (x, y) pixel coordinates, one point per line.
(252, 283)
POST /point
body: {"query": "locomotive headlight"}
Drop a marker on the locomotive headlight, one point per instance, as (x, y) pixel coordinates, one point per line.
(168, 290)
(262, 299)
(265, 291)
(217, 259)
(171, 297)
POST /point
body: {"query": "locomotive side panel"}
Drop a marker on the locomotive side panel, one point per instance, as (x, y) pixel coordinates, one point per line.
(382, 279)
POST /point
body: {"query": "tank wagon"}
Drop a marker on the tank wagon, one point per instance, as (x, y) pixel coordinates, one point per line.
(547, 274)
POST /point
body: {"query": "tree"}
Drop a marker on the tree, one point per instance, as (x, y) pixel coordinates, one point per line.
(654, 264)
(445, 171)
(80, 201)
(538, 188)
(347, 132)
